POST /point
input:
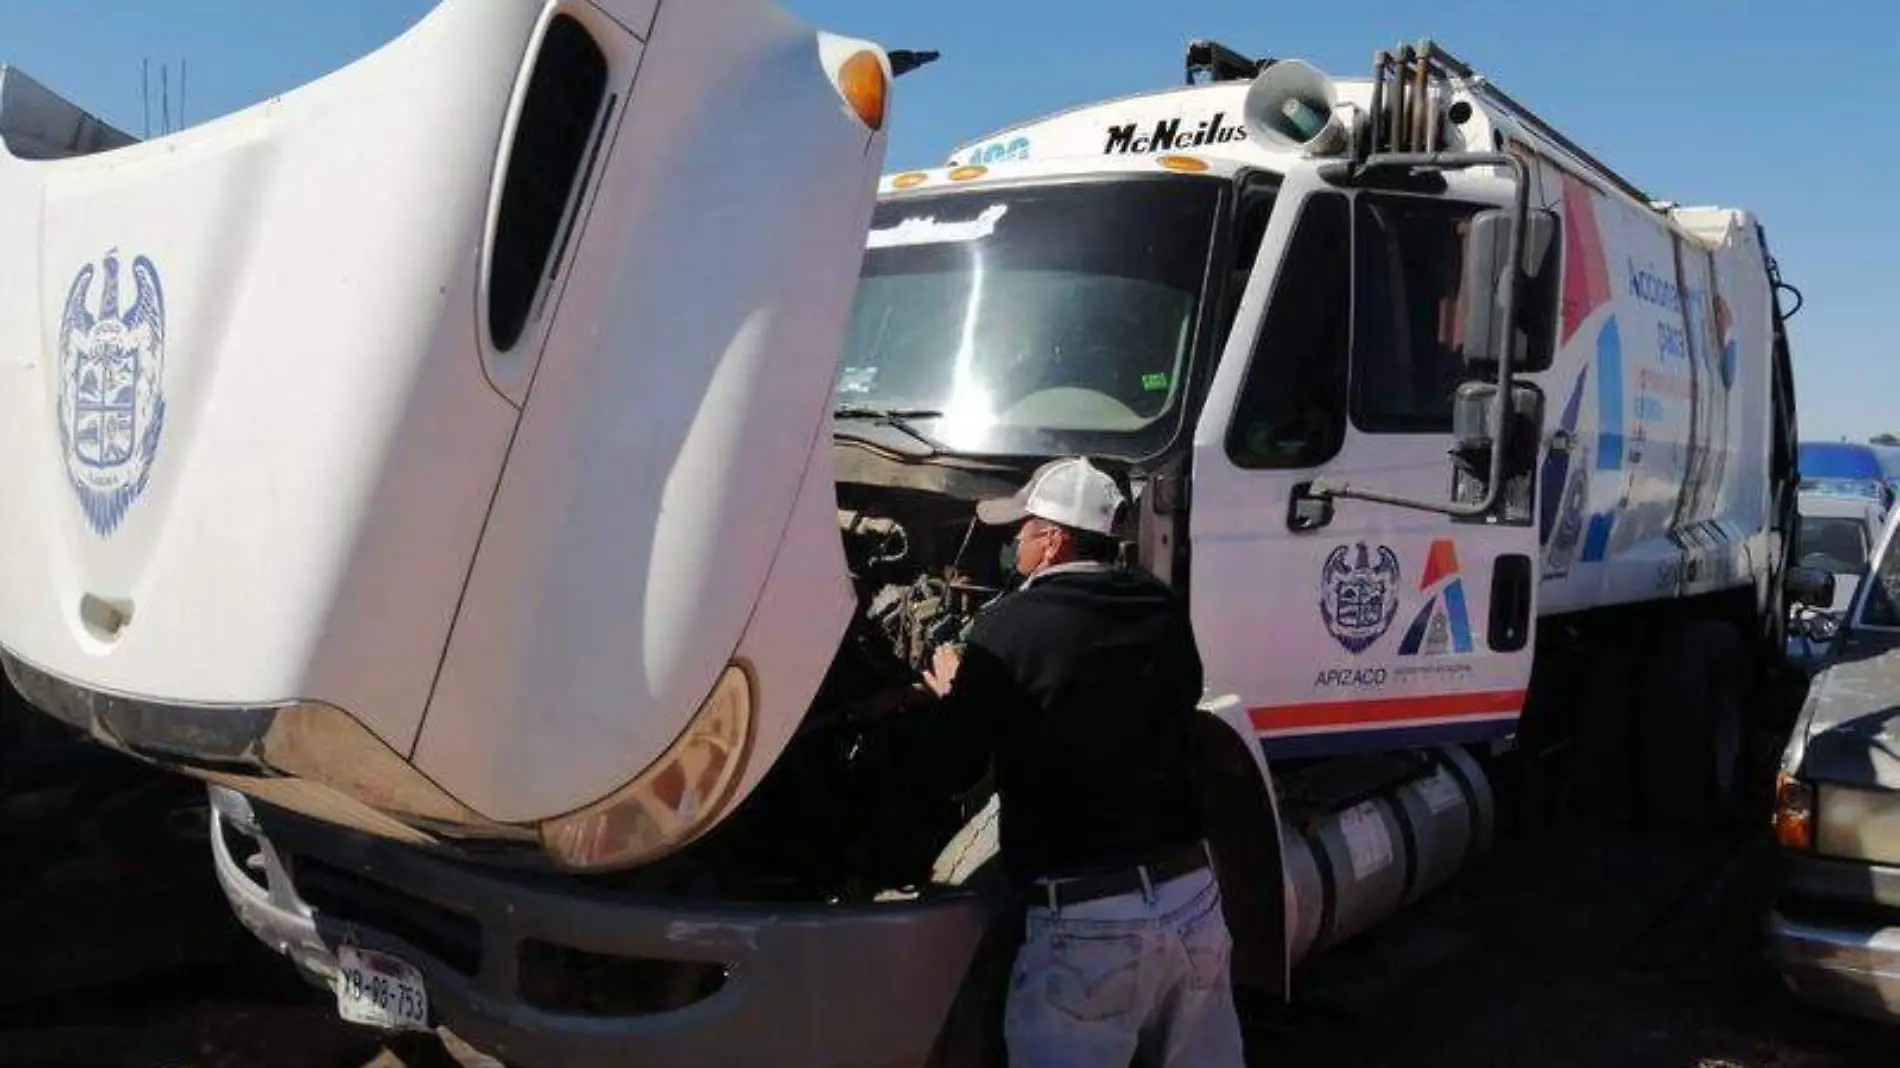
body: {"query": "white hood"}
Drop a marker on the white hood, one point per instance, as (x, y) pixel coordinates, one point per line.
(284, 460)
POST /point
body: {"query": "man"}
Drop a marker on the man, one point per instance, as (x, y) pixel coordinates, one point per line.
(1081, 685)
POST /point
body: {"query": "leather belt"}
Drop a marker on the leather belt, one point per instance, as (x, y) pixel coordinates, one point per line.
(1063, 893)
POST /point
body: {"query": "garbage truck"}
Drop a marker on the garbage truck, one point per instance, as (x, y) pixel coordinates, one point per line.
(523, 473)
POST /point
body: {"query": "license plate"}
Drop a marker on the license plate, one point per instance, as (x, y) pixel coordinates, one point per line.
(381, 991)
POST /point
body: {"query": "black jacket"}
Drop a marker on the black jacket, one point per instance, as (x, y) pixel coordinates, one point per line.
(1081, 687)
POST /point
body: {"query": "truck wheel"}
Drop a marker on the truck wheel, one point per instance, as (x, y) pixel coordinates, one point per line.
(1601, 787)
(971, 849)
(972, 1031)
(1691, 726)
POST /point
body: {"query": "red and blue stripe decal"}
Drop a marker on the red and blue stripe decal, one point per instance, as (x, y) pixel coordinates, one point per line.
(1332, 727)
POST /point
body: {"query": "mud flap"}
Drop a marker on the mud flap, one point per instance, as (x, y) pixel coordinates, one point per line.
(1243, 826)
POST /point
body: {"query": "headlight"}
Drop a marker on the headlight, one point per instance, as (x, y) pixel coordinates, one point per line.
(675, 799)
(1858, 824)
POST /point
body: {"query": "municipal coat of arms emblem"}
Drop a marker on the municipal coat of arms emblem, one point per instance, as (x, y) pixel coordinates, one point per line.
(1359, 594)
(111, 401)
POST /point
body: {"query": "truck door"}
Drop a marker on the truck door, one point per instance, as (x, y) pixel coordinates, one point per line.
(1364, 625)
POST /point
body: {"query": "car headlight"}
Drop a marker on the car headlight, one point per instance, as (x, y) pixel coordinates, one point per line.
(675, 799)
(1858, 824)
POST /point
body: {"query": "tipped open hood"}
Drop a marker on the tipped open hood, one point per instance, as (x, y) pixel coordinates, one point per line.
(465, 401)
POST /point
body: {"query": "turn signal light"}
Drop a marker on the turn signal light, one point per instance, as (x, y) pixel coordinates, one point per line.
(1185, 164)
(673, 801)
(1794, 812)
(862, 83)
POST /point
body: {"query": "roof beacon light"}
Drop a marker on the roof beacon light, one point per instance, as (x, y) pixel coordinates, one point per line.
(1292, 105)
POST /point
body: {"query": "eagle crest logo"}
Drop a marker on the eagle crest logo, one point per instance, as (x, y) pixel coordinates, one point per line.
(111, 404)
(1359, 594)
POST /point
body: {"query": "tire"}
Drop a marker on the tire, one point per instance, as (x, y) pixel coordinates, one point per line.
(1691, 727)
(1601, 788)
(972, 850)
(972, 1032)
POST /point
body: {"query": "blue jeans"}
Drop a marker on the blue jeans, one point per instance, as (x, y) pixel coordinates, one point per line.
(1100, 982)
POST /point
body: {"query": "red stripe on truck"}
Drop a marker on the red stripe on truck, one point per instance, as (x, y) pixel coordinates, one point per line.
(1387, 710)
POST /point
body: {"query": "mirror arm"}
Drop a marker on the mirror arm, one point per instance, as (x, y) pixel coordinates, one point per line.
(1501, 403)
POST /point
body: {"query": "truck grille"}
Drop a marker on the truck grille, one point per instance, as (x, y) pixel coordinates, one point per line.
(561, 979)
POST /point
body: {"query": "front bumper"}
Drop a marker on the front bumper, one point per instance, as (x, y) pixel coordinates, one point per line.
(823, 987)
(1849, 967)
(1834, 934)
(265, 903)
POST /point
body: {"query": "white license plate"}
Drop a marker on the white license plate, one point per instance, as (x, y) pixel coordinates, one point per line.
(379, 990)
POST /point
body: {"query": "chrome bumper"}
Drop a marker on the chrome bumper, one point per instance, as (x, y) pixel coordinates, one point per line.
(303, 755)
(271, 911)
(803, 986)
(1840, 966)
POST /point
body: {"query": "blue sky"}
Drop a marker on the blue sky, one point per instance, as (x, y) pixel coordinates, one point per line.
(1773, 107)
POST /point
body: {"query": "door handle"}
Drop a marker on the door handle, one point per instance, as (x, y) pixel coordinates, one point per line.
(1306, 512)
(1510, 623)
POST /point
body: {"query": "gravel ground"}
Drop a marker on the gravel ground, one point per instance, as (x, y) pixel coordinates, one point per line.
(1584, 948)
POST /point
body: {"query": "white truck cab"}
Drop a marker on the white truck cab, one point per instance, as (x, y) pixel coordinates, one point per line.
(441, 391)
(531, 518)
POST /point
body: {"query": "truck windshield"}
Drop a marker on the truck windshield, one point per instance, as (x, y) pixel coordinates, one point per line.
(1033, 321)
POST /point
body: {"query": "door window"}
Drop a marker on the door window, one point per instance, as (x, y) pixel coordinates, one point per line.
(1291, 410)
(1408, 344)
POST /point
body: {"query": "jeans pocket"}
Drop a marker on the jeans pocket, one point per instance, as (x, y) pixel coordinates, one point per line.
(1208, 944)
(1091, 978)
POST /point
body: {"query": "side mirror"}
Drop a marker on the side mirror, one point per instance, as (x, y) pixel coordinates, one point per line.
(1472, 446)
(1810, 586)
(1487, 246)
(1471, 413)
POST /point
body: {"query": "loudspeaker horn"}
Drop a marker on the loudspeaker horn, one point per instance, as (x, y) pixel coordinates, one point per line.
(1292, 105)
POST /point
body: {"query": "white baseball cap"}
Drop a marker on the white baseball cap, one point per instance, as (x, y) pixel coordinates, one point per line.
(1070, 492)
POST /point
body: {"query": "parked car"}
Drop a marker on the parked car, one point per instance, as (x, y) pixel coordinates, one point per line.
(1846, 468)
(1834, 927)
(1889, 457)
(1836, 535)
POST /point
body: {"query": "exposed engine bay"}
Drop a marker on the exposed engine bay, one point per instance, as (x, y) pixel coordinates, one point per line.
(914, 602)
(860, 804)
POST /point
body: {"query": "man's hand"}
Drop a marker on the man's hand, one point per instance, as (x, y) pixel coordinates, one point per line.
(943, 669)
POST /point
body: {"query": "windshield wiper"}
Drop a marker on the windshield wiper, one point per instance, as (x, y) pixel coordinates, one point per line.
(898, 419)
